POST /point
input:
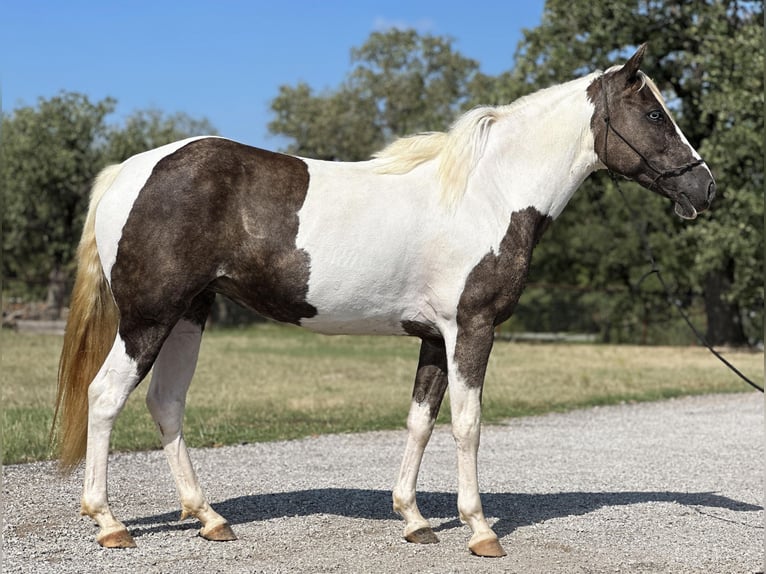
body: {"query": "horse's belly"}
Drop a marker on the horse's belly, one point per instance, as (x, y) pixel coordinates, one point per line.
(351, 307)
(348, 325)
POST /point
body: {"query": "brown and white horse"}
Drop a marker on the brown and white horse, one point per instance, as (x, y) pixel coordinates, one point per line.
(431, 238)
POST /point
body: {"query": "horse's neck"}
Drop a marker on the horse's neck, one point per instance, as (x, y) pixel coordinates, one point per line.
(541, 154)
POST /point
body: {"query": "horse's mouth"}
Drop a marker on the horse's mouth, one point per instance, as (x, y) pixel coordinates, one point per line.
(684, 208)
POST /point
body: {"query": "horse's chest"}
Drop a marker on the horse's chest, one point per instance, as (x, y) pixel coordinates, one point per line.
(495, 283)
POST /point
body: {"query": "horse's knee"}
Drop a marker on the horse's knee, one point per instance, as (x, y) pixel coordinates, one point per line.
(420, 423)
(466, 430)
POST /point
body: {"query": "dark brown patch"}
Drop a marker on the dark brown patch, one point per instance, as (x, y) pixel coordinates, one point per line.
(199, 309)
(431, 377)
(212, 205)
(491, 291)
(421, 330)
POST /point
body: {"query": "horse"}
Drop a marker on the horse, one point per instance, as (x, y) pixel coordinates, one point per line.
(432, 237)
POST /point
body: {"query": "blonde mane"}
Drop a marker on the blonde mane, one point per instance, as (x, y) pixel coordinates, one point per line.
(458, 150)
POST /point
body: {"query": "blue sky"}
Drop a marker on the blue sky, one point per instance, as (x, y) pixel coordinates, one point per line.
(225, 60)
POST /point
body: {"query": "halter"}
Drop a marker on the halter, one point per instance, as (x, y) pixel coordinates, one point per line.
(661, 174)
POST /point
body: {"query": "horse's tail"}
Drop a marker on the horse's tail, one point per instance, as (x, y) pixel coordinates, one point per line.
(90, 332)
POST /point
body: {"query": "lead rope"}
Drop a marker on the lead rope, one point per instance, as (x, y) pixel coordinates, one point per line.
(669, 294)
(655, 270)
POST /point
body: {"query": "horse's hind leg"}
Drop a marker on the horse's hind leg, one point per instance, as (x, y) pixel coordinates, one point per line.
(427, 395)
(107, 394)
(166, 399)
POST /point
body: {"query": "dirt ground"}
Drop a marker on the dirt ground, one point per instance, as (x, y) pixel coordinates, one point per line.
(675, 486)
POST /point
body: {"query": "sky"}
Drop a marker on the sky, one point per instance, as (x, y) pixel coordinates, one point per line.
(225, 59)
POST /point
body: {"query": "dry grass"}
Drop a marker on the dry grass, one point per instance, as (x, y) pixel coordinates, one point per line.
(271, 382)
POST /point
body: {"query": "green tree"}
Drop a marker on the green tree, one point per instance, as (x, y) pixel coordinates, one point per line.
(332, 126)
(400, 83)
(707, 57)
(729, 246)
(50, 155)
(148, 129)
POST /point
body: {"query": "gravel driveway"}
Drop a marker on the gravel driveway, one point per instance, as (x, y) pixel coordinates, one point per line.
(674, 486)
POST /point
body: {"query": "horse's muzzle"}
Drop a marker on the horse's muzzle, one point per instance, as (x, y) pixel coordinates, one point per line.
(696, 198)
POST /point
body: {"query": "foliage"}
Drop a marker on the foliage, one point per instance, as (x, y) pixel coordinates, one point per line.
(50, 156)
(418, 83)
(400, 82)
(733, 108)
(331, 126)
(148, 129)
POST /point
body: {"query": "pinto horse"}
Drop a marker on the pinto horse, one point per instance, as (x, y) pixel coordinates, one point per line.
(431, 238)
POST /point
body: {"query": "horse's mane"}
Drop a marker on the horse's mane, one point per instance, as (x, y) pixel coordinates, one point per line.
(457, 151)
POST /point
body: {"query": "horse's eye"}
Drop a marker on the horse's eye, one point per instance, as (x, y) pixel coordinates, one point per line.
(656, 116)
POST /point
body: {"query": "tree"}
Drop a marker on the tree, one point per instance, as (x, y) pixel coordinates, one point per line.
(707, 57)
(331, 126)
(148, 129)
(400, 83)
(418, 83)
(51, 154)
(729, 253)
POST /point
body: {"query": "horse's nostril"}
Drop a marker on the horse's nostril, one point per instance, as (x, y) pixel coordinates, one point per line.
(710, 191)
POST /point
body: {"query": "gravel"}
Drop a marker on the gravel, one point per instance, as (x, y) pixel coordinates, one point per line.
(675, 486)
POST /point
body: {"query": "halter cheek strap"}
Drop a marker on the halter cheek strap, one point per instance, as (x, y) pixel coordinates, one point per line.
(673, 172)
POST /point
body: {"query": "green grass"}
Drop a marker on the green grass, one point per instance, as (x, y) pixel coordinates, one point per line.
(271, 382)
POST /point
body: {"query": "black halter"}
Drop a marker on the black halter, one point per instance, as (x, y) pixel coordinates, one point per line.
(661, 174)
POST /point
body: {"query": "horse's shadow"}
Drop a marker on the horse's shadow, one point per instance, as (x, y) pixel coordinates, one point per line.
(512, 510)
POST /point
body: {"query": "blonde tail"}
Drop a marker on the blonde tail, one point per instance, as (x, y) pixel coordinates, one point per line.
(90, 332)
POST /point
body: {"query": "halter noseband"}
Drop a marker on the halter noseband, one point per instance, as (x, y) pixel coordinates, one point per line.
(661, 174)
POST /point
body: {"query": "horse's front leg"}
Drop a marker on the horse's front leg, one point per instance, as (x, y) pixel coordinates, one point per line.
(467, 366)
(427, 395)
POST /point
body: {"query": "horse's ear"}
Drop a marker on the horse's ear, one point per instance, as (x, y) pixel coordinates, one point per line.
(630, 69)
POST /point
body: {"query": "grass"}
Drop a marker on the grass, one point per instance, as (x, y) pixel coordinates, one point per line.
(271, 382)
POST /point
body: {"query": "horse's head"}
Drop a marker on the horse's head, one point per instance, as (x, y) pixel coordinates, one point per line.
(635, 136)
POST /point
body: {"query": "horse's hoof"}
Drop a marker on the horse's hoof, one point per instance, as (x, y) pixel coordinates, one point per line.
(422, 536)
(219, 533)
(117, 539)
(488, 547)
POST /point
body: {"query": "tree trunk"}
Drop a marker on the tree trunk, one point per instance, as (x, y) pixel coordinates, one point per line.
(54, 302)
(724, 324)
